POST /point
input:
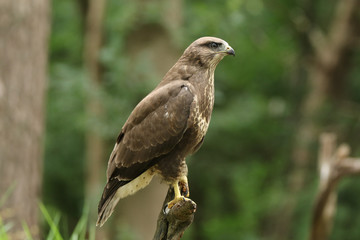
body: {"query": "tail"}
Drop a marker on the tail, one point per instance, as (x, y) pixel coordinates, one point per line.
(108, 201)
(106, 210)
(117, 189)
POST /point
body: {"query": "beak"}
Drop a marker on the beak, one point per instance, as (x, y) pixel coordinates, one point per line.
(230, 51)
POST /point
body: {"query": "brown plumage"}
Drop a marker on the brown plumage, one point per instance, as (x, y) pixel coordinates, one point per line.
(165, 127)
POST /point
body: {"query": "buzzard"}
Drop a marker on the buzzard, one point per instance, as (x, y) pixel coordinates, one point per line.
(166, 126)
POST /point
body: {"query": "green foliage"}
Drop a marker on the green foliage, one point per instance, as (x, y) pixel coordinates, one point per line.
(27, 231)
(64, 153)
(54, 231)
(4, 228)
(81, 231)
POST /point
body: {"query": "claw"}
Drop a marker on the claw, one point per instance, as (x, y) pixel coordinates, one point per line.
(166, 209)
(172, 203)
(181, 192)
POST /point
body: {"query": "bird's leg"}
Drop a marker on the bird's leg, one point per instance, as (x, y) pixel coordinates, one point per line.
(177, 196)
(176, 190)
(181, 191)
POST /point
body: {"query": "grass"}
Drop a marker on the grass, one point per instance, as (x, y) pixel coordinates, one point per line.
(81, 230)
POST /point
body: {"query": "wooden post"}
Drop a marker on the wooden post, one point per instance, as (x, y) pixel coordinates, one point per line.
(172, 223)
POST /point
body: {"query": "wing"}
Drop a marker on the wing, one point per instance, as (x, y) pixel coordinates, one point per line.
(153, 129)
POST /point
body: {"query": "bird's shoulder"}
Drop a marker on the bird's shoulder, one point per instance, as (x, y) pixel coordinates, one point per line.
(164, 98)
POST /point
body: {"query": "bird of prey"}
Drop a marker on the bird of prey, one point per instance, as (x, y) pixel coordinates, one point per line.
(166, 126)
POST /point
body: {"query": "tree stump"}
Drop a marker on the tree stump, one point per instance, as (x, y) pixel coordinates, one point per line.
(172, 223)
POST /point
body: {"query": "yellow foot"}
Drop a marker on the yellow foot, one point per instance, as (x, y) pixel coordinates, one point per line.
(175, 201)
(172, 203)
(181, 192)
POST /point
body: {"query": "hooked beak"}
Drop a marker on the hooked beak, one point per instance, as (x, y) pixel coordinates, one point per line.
(230, 51)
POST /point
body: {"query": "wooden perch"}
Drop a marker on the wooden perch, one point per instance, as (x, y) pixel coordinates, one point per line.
(172, 223)
(334, 163)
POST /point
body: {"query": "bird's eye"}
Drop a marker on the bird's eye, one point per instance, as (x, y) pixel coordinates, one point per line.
(213, 45)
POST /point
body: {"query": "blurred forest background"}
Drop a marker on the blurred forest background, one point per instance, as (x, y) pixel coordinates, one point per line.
(296, 74)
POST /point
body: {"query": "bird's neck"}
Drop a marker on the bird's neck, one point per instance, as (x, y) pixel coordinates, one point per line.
(196, 73)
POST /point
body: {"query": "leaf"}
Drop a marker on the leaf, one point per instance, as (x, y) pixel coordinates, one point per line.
(52, 223)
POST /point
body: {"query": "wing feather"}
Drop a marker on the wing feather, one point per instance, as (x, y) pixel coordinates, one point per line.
(153, 129)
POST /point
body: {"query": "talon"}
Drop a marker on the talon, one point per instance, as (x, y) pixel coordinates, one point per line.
(170, 204)
(166, 209)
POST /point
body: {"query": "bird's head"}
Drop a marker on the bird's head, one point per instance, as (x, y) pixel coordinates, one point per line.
(208, 51)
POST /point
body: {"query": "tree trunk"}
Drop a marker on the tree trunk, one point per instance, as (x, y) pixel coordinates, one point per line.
(24, 32)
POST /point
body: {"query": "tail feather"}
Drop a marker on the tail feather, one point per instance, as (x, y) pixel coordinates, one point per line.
(107, 209)
(108, 200)
(116, 190)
